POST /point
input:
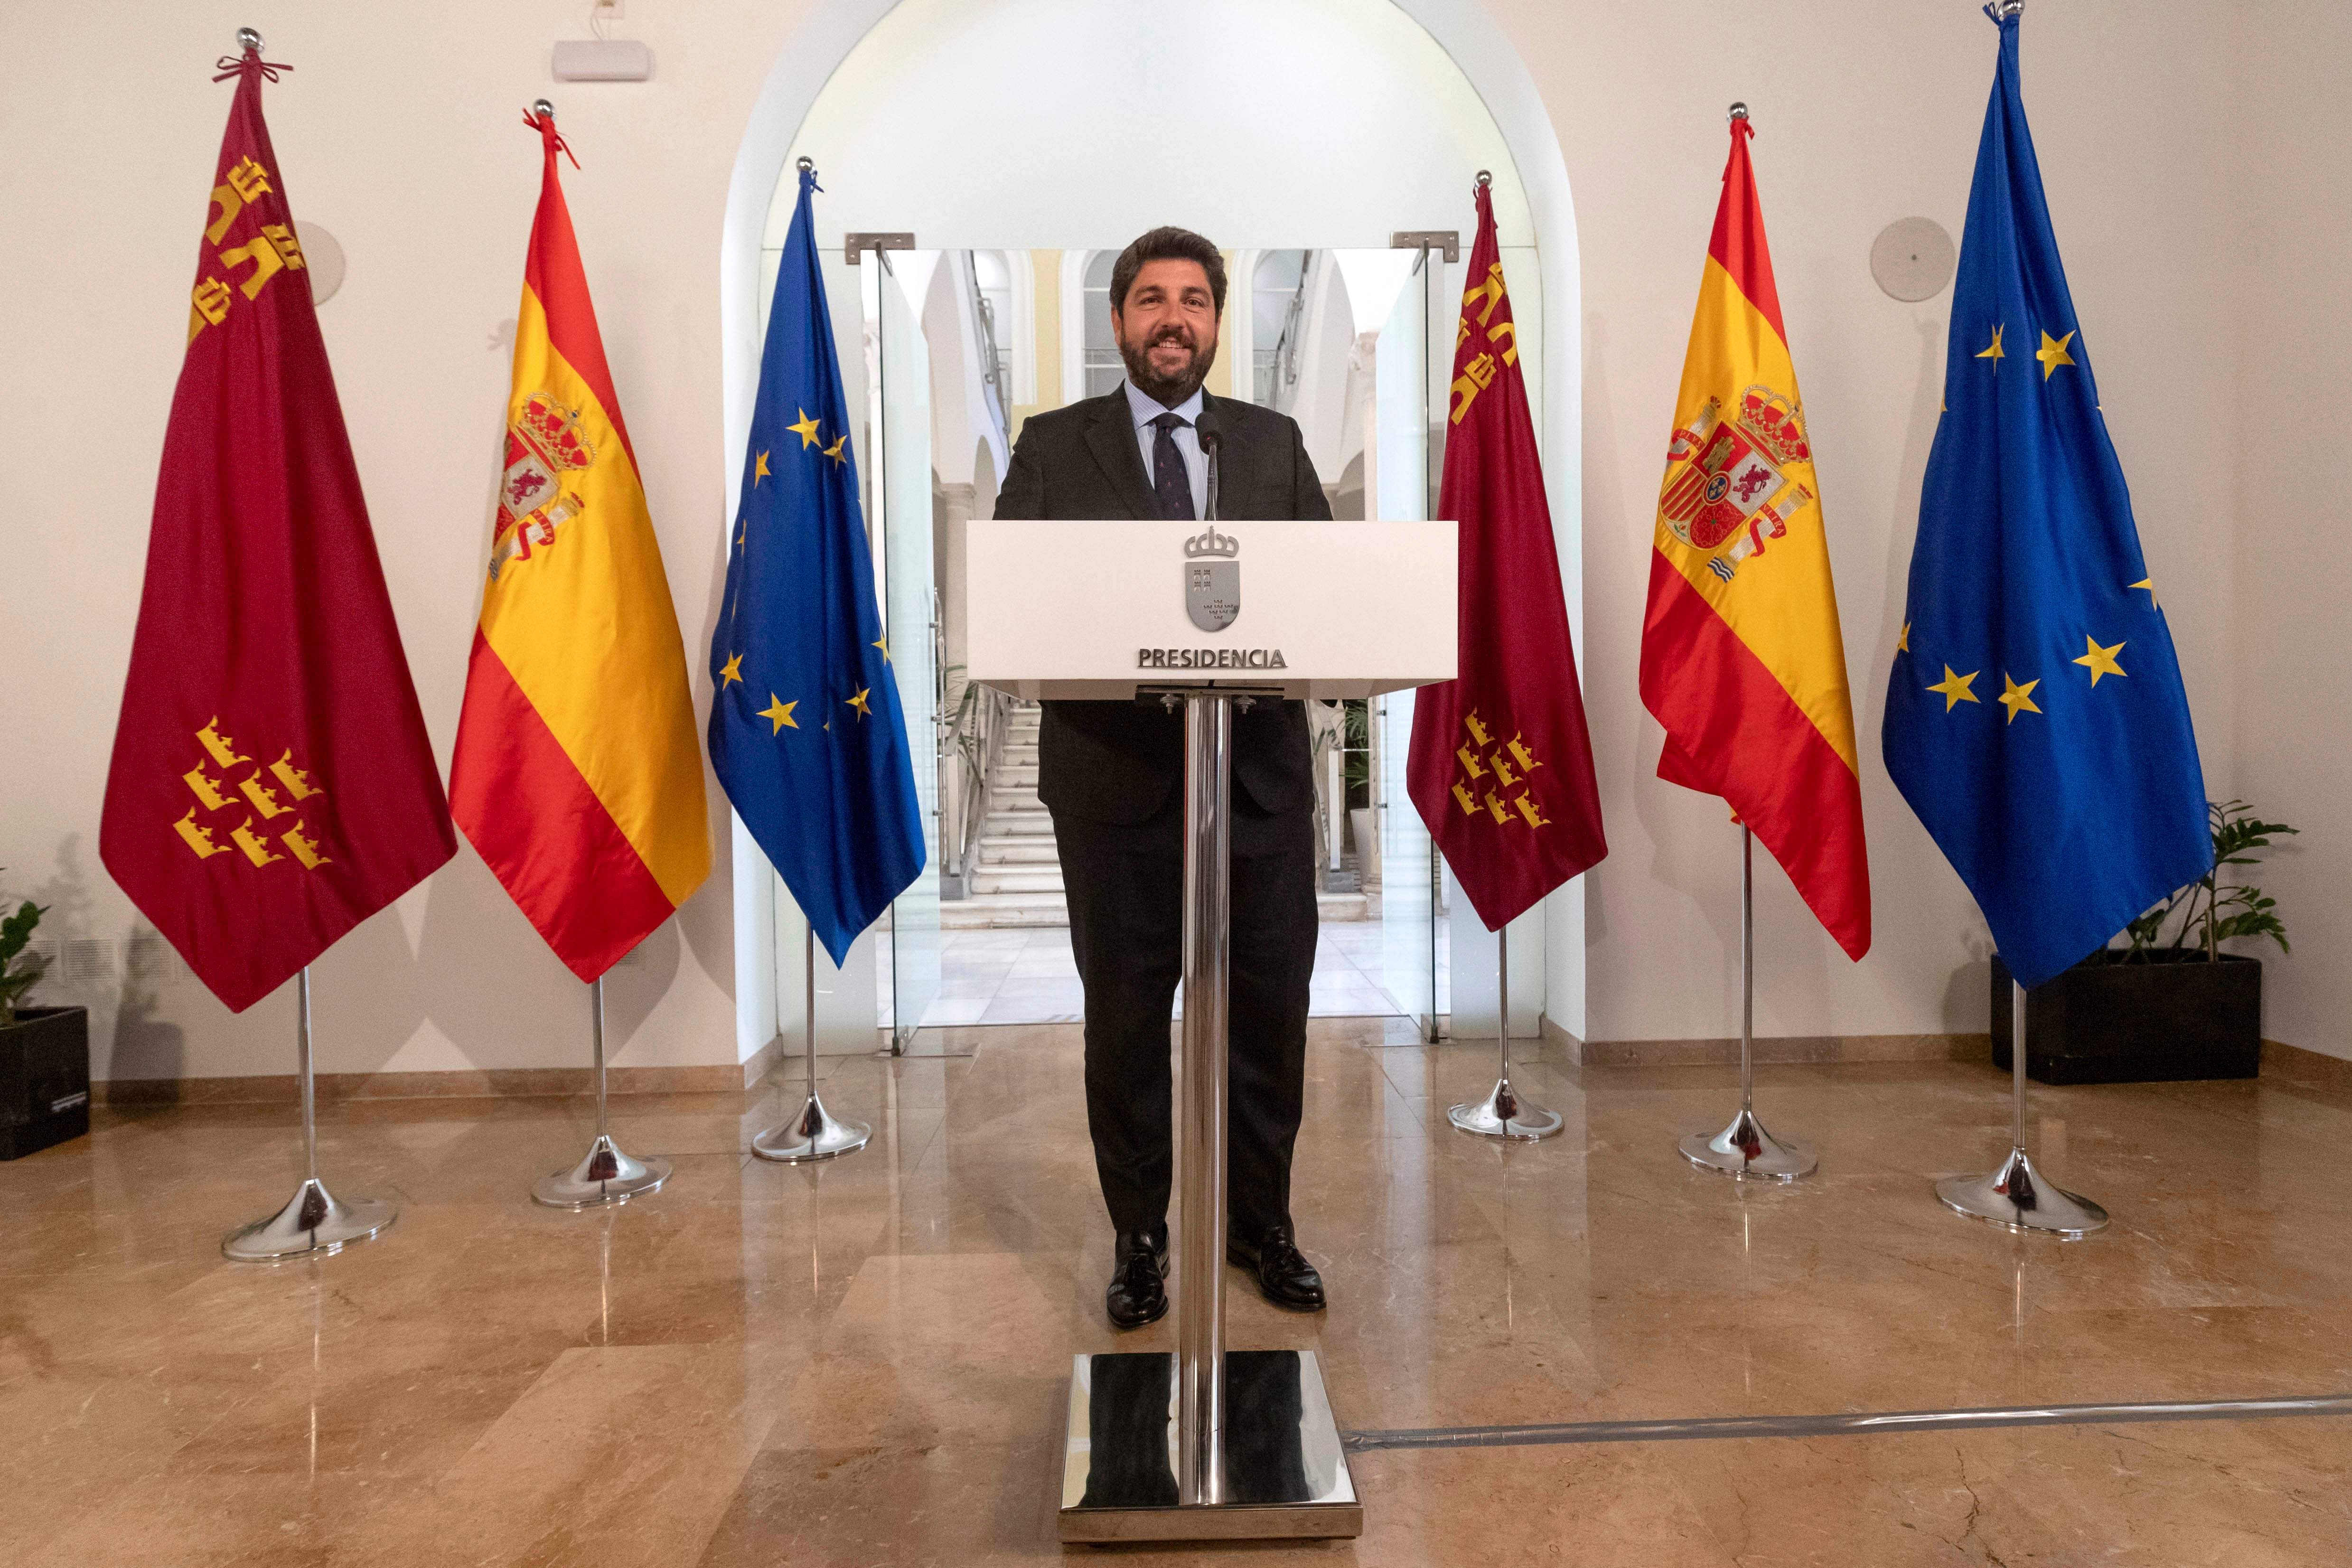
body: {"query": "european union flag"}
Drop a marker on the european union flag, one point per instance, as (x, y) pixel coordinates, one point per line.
(2035, 718)
(805, 731)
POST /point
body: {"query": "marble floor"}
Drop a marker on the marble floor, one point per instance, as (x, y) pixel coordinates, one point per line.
(1027, 975)
(864, 1362)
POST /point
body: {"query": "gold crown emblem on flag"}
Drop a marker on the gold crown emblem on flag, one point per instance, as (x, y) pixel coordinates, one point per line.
(1775, 424)
(554, 430)
(1209, 541)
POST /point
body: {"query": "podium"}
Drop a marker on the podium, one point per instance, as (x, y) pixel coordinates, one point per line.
(1206, 1443)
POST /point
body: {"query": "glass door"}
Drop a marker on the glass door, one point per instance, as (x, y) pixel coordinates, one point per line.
(1402, 486)
(898, 446)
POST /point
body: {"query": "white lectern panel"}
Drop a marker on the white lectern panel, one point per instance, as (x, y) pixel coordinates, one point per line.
(1092, 610)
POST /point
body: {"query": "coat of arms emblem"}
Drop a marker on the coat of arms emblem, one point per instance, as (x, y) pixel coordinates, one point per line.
(543, 446)
(1736, 485)
(1212, 579)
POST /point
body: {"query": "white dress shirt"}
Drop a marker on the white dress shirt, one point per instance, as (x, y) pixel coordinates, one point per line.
(1187, 440)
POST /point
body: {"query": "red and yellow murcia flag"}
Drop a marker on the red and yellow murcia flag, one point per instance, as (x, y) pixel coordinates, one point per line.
(577, 774)
(1501, 762)
(272, 785)
(1741, 659)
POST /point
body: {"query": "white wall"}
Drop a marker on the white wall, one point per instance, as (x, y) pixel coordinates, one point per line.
(2199, 193)
(2291, 177)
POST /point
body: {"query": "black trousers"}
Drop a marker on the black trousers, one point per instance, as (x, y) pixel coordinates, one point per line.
(1126, 889)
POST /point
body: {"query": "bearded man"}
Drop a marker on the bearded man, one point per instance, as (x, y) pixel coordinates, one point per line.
(1112, 774)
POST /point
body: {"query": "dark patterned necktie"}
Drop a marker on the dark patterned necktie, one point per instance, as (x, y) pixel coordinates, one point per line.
(1171, 482)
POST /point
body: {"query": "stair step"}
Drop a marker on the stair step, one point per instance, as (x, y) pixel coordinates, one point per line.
(1017, 849)
(999, 911)
(1017, 879)
(1021, 823)
(1338, 907)
(1018, 920)
(1015, 797)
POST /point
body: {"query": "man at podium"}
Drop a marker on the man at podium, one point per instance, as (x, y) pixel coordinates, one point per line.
(1112, 774)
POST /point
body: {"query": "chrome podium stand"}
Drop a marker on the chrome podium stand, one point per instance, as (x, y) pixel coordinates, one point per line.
(314, 1220)
(1744, 1150)
(1204, 1445)
(2015, 1196)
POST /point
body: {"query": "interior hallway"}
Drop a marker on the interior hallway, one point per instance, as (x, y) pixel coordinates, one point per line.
(863, 1362)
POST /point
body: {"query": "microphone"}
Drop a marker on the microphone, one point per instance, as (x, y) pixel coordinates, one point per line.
(1209, 433)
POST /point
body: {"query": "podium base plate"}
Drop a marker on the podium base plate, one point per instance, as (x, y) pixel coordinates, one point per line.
(1285, 1473)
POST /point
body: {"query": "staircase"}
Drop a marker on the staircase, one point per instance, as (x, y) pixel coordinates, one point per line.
(1017, 880)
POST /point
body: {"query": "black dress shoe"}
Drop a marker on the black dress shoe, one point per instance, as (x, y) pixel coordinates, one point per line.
(1282, 1270)
(1138, 1277)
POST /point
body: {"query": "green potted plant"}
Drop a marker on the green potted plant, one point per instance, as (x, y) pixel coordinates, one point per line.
(2153, 1011)
(44, 1051)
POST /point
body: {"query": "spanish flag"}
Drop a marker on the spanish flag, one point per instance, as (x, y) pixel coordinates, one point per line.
(576, 774)
(1741, 659)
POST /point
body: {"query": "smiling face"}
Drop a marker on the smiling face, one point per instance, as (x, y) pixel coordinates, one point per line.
(1167, 329)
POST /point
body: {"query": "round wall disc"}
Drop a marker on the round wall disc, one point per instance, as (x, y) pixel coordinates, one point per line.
(322, 256)
(1912, 259)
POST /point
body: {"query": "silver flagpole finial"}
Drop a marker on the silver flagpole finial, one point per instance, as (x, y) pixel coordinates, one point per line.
(1739, 113)
(542, 110)
(805, 164)
(2004, 9)
(248, 38)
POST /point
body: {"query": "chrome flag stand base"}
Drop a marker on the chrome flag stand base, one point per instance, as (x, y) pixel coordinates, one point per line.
(604, 1174)
(2015, 1196)
(1743, 1150)
(816, 1133)
(314, 1220)
(1505, 1112)
(1206, 1443)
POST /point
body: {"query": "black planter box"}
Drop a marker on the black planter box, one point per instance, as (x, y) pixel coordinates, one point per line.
(43, 1079)
(2169, 1016)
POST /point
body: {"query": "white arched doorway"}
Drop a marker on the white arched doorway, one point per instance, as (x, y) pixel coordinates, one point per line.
(1020, 126)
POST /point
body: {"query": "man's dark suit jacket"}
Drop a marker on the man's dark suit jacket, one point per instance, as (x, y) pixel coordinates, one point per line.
(1121, 762)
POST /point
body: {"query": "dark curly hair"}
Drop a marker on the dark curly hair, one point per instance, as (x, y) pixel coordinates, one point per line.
(1167, 243)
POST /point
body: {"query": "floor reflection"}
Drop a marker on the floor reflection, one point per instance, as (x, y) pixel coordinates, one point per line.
(865, 1361)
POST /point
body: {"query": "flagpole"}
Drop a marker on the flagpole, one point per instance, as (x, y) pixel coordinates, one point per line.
(2015, 1196)
(1505, 1112)
(814, 1134)
(604, 1174)
(1744, 1149)
(314, 1220)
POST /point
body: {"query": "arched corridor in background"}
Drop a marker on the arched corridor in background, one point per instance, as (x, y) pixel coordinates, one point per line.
(1345, 124)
